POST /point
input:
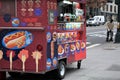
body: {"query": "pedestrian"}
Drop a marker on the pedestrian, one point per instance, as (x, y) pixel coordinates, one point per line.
(110, 26)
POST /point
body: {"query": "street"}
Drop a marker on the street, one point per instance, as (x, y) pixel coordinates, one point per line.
(102, 62)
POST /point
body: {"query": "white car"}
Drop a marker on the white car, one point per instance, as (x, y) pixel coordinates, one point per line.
(92, 22)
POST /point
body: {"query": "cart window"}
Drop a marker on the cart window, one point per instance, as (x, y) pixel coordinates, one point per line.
(71, 15)
(7, 7)
(51, 17)
(65, 8)
(69, 11)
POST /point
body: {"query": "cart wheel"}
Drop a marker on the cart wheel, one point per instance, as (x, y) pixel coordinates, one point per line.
(79, 64)
(61, 70)
(15, 74)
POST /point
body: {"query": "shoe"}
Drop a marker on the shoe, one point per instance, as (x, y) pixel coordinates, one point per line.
(111, 39)
(107, 40)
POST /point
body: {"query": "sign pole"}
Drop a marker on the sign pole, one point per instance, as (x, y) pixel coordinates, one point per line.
(117, 36)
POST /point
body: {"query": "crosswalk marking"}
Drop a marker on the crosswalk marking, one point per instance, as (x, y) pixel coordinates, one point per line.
(91, 46)
(98, 34)
(88, 43)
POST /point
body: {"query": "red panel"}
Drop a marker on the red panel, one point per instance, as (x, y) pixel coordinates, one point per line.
(39, 19)
(30, 66)
(30, 18)
(32, 14)
(80, 56)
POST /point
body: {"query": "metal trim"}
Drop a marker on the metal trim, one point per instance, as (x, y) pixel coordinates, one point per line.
(30, 28)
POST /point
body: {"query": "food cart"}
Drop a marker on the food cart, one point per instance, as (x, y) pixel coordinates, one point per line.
(37, 36)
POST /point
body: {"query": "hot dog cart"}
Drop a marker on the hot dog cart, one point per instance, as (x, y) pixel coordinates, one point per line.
(37, 36)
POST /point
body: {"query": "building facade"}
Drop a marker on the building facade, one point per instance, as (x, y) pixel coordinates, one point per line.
(94, 6)
(110, 10)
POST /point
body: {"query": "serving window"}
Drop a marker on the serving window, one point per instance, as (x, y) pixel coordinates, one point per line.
(71, 15)
(69, 11)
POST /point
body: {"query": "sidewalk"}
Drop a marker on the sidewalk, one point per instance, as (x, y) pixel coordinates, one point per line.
(104, 62)
(111, 46)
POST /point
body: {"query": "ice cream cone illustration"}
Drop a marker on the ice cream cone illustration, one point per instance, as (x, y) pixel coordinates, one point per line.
(1, 54)
(51, 5)
(48, 4)
(23, 56)
(23, 9)
(23, 2)
(37, 56)
(30, 5)
(10, 54)
(55, 5)
(38, 3)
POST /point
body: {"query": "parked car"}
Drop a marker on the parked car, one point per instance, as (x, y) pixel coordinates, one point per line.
(92, 22)
(100, 19)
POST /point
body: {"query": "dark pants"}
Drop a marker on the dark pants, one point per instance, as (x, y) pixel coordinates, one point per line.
(109, 35)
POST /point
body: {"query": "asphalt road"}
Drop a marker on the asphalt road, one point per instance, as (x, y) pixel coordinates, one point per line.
(97, 35)
(100, 64)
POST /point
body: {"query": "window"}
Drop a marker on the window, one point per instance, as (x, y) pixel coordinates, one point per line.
(103, 8)
(110, 8)
(106, 7)
(7, 7)
(115, 9)
(110, 1)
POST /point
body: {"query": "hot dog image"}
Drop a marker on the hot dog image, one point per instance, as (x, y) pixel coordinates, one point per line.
(15, 40)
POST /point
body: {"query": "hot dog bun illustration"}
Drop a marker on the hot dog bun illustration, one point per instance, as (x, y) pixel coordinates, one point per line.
(18, 42)
(15, 40)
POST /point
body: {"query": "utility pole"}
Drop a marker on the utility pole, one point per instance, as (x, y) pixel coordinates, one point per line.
(117, 36)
